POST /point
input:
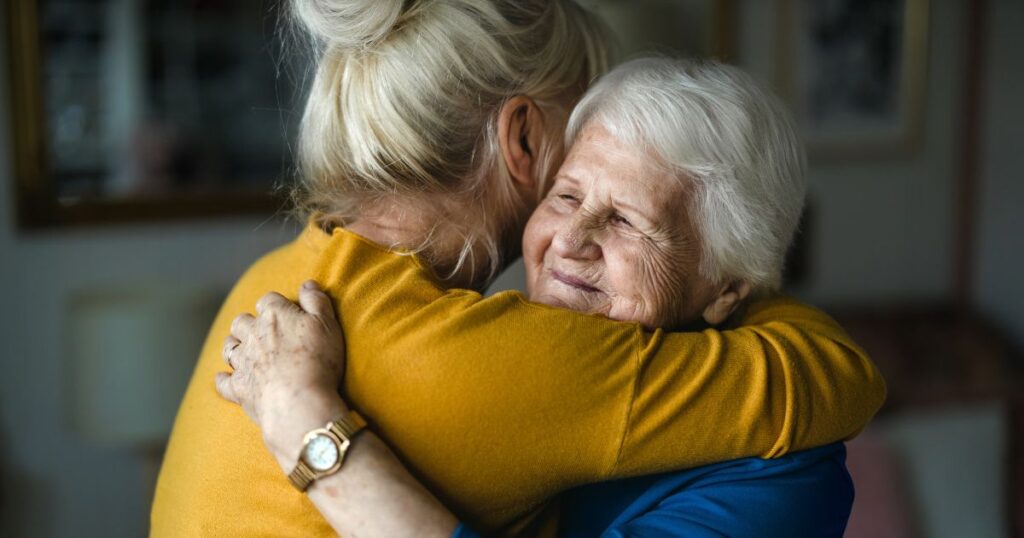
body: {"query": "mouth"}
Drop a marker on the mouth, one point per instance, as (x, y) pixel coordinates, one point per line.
(574, 282)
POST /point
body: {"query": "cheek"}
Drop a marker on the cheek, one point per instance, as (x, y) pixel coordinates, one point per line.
(651, 282)
(536, 240)
(673, 273)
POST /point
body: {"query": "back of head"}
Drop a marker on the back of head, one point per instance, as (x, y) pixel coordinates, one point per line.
(406, 94)
(733, 140)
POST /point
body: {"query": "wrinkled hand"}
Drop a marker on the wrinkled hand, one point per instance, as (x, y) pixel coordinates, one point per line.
(287, 362)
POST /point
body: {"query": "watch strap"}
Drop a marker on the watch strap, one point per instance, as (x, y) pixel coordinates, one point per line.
(301, 476)
(347, 426)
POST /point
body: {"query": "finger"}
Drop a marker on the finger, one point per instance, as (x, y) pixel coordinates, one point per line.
(242, 326)
(316, 302)
(224, 387)
(230, 343)
(274, 301)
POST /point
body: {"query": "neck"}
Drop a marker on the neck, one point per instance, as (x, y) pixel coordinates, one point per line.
(394, 227)
(426, 227)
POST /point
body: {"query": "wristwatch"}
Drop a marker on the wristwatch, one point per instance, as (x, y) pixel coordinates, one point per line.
(323, 450)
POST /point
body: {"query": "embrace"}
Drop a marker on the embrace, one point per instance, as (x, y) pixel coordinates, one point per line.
(652, 383)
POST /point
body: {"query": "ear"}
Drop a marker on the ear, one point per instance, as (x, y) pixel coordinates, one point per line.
(520, 132)
(728, 299)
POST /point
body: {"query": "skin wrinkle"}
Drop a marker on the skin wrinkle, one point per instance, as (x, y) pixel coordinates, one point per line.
(617, 220)
(674, 274)
(667, 272)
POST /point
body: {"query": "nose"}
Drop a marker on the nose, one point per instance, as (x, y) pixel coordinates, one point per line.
(575, 240)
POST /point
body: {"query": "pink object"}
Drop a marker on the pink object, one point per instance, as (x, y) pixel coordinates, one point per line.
(882, 507)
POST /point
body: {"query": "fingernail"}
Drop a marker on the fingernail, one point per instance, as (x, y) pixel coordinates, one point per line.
(310, 285)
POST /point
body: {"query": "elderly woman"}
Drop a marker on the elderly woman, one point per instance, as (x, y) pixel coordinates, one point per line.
(624, 233)
(436, 133)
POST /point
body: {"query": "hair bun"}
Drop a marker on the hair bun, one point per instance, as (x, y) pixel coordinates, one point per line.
(349, 23)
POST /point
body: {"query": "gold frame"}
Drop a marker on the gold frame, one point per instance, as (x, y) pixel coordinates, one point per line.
(913, 83)
(35, 195)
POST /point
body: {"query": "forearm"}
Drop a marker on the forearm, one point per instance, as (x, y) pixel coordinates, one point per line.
(373, 494)
(801, 380)
(624, 401)
(768, 390)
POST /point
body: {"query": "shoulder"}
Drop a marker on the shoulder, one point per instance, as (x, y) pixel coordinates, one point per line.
(216, 468)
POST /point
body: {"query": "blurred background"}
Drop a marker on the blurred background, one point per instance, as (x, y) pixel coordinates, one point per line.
(142, 142)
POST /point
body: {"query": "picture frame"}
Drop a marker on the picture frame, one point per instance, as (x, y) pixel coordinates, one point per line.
(66, 185)
(855, 75)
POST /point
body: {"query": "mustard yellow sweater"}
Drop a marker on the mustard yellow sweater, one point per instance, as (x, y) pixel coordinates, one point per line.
(498, 404)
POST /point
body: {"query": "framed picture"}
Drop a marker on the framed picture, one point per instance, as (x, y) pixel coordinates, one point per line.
(142, 110)
(854, 72)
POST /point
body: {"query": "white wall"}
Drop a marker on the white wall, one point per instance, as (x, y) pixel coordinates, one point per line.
(999, 282)
(54, 483)
(882, 229)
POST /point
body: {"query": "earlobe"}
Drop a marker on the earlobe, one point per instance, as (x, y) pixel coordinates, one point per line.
(729, 298)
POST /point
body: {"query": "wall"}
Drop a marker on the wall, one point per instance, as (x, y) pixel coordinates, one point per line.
(999, 282)
(884, 230)
(881, 230)
(55, 483)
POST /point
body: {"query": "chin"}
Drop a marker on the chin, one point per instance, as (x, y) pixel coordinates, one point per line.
(551, 300)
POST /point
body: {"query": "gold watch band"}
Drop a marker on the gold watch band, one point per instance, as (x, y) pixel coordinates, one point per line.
(341, 431)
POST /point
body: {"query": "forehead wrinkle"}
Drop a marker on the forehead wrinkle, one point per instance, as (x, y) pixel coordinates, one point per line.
(663, 198)
(607, 151)
(624, 177)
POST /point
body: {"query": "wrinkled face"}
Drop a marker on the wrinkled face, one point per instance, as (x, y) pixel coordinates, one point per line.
(613, 237)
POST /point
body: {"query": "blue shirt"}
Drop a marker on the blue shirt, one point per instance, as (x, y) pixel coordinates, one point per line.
(806, 493)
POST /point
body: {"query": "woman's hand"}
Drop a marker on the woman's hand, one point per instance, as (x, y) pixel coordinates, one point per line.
(287, 362)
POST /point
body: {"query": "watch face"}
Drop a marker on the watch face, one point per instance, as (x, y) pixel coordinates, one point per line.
(321, 453)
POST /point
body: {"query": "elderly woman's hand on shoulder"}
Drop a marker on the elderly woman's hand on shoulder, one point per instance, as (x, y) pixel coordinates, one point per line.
(287, 363)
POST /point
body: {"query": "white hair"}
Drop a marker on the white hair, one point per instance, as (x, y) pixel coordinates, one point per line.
(731, 139)
(406, 96)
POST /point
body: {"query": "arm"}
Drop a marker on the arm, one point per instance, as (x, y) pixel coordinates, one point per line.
(287, 362)
(285, 366)
(588, 398)
(373, 494)
(446, 381)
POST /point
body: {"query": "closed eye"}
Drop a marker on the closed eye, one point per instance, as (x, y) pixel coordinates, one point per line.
(569, 199)
(620, 220)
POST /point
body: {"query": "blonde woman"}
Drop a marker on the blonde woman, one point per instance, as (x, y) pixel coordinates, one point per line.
(434, 127)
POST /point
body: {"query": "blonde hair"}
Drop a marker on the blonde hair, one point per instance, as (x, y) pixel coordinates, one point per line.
(405, 99)
(733, 140)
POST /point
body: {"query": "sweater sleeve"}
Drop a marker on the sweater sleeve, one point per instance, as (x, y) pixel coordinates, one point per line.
(787, 379)
(498, 404)
(541, 399)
